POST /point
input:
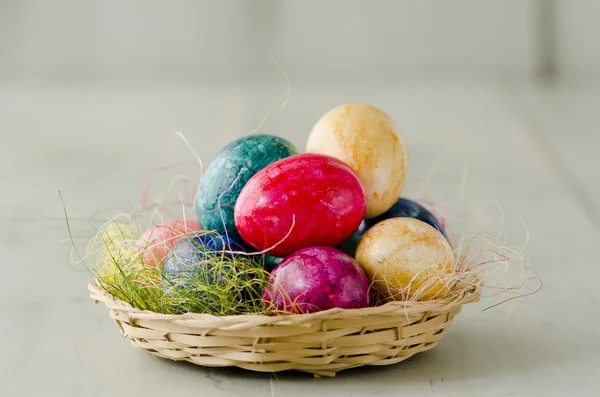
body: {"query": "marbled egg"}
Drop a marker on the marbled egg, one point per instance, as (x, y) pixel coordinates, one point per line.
(368, 141)
(227, 174)
(193, 249)
(405, 208)
(317, 278)
(202, 272)
(156, 242)
(298, 202)
(407, 259)
(269, 262)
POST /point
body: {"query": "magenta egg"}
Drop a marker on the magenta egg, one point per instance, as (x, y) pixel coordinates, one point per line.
(157, 242)
(317, 278)
(301, 201)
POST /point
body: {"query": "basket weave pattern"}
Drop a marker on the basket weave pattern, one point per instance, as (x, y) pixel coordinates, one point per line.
(320, 343)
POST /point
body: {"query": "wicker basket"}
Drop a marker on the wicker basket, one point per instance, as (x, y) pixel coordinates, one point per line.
(321, 343)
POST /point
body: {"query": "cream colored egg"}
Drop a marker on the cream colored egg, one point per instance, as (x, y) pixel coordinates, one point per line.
(407, 259)
(368, 141)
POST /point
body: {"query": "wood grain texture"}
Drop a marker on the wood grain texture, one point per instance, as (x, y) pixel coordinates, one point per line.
(94, 142)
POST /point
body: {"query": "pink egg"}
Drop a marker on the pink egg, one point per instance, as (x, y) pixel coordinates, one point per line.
(317, 278)
(298, 202)
(158, 241)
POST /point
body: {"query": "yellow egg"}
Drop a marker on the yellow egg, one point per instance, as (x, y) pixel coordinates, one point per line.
(407, 259)
(368, 141)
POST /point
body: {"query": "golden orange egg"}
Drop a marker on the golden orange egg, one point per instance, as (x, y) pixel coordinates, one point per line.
(407, 259)
(368, 141)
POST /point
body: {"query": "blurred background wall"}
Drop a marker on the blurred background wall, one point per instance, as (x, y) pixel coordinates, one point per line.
(186, 39)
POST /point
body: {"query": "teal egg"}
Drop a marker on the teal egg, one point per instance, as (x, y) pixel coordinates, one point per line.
(228, 173)
(270, 262)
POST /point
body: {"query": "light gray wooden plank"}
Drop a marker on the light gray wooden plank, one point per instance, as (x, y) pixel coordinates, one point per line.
(566, 121)
(191, 39)
(62, 137)
(576, 23)
(400, 38)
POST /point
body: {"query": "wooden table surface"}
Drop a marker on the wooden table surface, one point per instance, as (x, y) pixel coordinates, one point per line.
(532, 149)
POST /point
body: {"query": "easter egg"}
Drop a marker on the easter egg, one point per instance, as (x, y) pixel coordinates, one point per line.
(368, 141)
(317, 278)
(192, 250)
(349, 246)
(156, 242)
(270, 262)
(298, 202)
(113, 247)
(405, 208)
(204, 273)
(407, 259)
(227, 174)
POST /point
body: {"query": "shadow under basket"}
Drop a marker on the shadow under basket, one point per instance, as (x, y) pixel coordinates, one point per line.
(320, 343)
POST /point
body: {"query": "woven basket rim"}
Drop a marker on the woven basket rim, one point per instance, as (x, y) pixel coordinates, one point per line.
(466, 295)
(321, 343)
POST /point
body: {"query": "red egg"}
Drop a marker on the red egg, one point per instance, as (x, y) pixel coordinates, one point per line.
(158, 241)
(298, 202)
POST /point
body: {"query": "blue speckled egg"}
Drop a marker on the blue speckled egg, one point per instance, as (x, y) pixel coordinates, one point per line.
(228, 173)
(188, 255)
(405, 208)
(199, 274)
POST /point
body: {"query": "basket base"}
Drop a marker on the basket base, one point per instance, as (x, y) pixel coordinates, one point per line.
(332, 363)
(321, 343)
